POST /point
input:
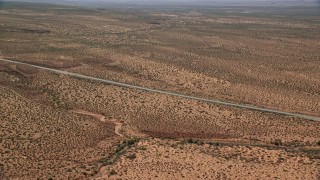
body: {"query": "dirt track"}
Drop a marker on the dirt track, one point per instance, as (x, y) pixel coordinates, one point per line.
(117, 128)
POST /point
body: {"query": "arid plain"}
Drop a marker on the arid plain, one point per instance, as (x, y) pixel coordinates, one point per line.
(55, 126)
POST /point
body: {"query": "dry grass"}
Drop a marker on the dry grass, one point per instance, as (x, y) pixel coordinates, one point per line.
(39, 141)
(264, 59)
(267, 59)
(163, 159)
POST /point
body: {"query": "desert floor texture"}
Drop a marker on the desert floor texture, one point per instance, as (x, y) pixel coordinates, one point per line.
(54, 126)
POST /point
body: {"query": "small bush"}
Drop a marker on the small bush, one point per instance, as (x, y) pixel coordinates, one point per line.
(131, 142)
(120, 148)
(132, 156)
(214, 143)
(191, 141)
(318, 143)
(113, 172)
(106, 163)
(278, 142)
(200, 142)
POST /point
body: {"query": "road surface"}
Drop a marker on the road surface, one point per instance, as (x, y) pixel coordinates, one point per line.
(230, 104)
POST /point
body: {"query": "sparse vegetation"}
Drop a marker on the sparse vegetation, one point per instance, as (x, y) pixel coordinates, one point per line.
(214, 143)
(278, 142)
(113, 172)
(194, 141)
(132, 156)
(190, 141)
(120, 150)
(268, 58)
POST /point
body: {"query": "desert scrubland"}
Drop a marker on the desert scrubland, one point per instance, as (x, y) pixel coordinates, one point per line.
(53, 126)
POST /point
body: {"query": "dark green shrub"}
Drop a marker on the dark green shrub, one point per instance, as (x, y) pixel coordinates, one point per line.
(278, 142)
(131, 142)
(113, 172)
(190, 141)
(132, 156)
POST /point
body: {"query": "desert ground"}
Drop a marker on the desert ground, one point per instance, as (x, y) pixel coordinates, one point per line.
(54, 126)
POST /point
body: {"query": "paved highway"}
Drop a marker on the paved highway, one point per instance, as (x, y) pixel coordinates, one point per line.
(244, 106)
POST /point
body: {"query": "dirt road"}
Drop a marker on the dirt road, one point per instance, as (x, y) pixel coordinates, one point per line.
(230, 104)
(118, 125)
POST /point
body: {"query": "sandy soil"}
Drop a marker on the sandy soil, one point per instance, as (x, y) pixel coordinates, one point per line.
(145, 114)
(41, 141)
(269, 58)
(118, 125)
(165, 116)
(165, 159)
